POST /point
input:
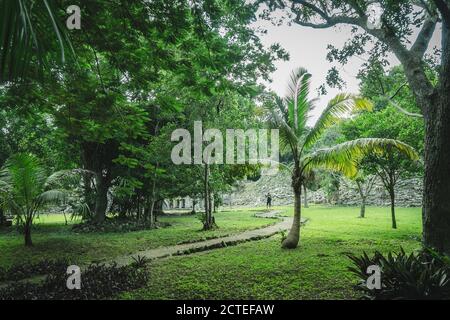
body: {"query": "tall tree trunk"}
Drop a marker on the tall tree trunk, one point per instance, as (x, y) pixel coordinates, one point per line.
(305, 197)
(101, 199)
(2, 217)
(139, 209)
(210, 199)
(206, 189)
(362, 213)
(27, 234)
(152, 213)
(158, 210)
(88, 195)
(153, 200)
(147, 203)
(293, 237)
(392, 196)
(207, 220)
(436, 198)
(194, 203)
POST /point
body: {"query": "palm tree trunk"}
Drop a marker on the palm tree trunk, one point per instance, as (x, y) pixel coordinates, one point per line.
(305, 197)
(293, 238)
(27, 233)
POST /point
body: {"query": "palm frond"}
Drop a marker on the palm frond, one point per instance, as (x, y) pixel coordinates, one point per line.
(268, 163)
(345, 157)
(4, 187)
(81, 210)
(25, 27)
(297, 100)
(52, 196)
(337, 109)
(71, 177)
(25, 177)
(278, 118)
(287, 136)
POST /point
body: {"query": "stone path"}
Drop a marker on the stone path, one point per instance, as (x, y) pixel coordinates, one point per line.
(182, 249)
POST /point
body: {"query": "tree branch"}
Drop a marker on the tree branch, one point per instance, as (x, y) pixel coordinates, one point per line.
(444, 9)
(423, 39)
(395, 104)
(410, 59)
(398, 90)
(312, 7)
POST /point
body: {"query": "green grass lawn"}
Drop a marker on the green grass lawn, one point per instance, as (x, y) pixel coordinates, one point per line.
(262, 270)
(253, 270)
(53, 239)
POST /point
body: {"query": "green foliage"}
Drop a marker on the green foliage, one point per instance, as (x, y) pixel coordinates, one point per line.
(336, 110)
(290, 115)
(98, 282)
(345, 156)
(112, 110)
(56, 240)
(262, 270)
(24, 190)
(139, 262)
(417, 276)
(27, 270)
(283, 236)
(388, 123)
(29, 31)
(115, 225)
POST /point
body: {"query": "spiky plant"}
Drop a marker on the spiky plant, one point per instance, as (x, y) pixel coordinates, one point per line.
(290, 116)
(25, 190)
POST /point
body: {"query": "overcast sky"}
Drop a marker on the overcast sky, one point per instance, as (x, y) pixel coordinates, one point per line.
(308, 48)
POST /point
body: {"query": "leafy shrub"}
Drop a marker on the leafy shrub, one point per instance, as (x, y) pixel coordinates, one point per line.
(139, 261)
(97, 282)
(115, 225)
(28, 270)
(283, 236)
(422, 275)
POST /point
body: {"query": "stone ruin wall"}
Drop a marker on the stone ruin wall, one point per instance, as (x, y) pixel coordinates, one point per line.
(250, 194)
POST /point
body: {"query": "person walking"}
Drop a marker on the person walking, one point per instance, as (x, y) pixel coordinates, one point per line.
(269, 201)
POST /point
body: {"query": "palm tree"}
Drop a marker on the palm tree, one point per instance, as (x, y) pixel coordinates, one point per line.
(29, 29)
(290, 116)
(25, 189)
